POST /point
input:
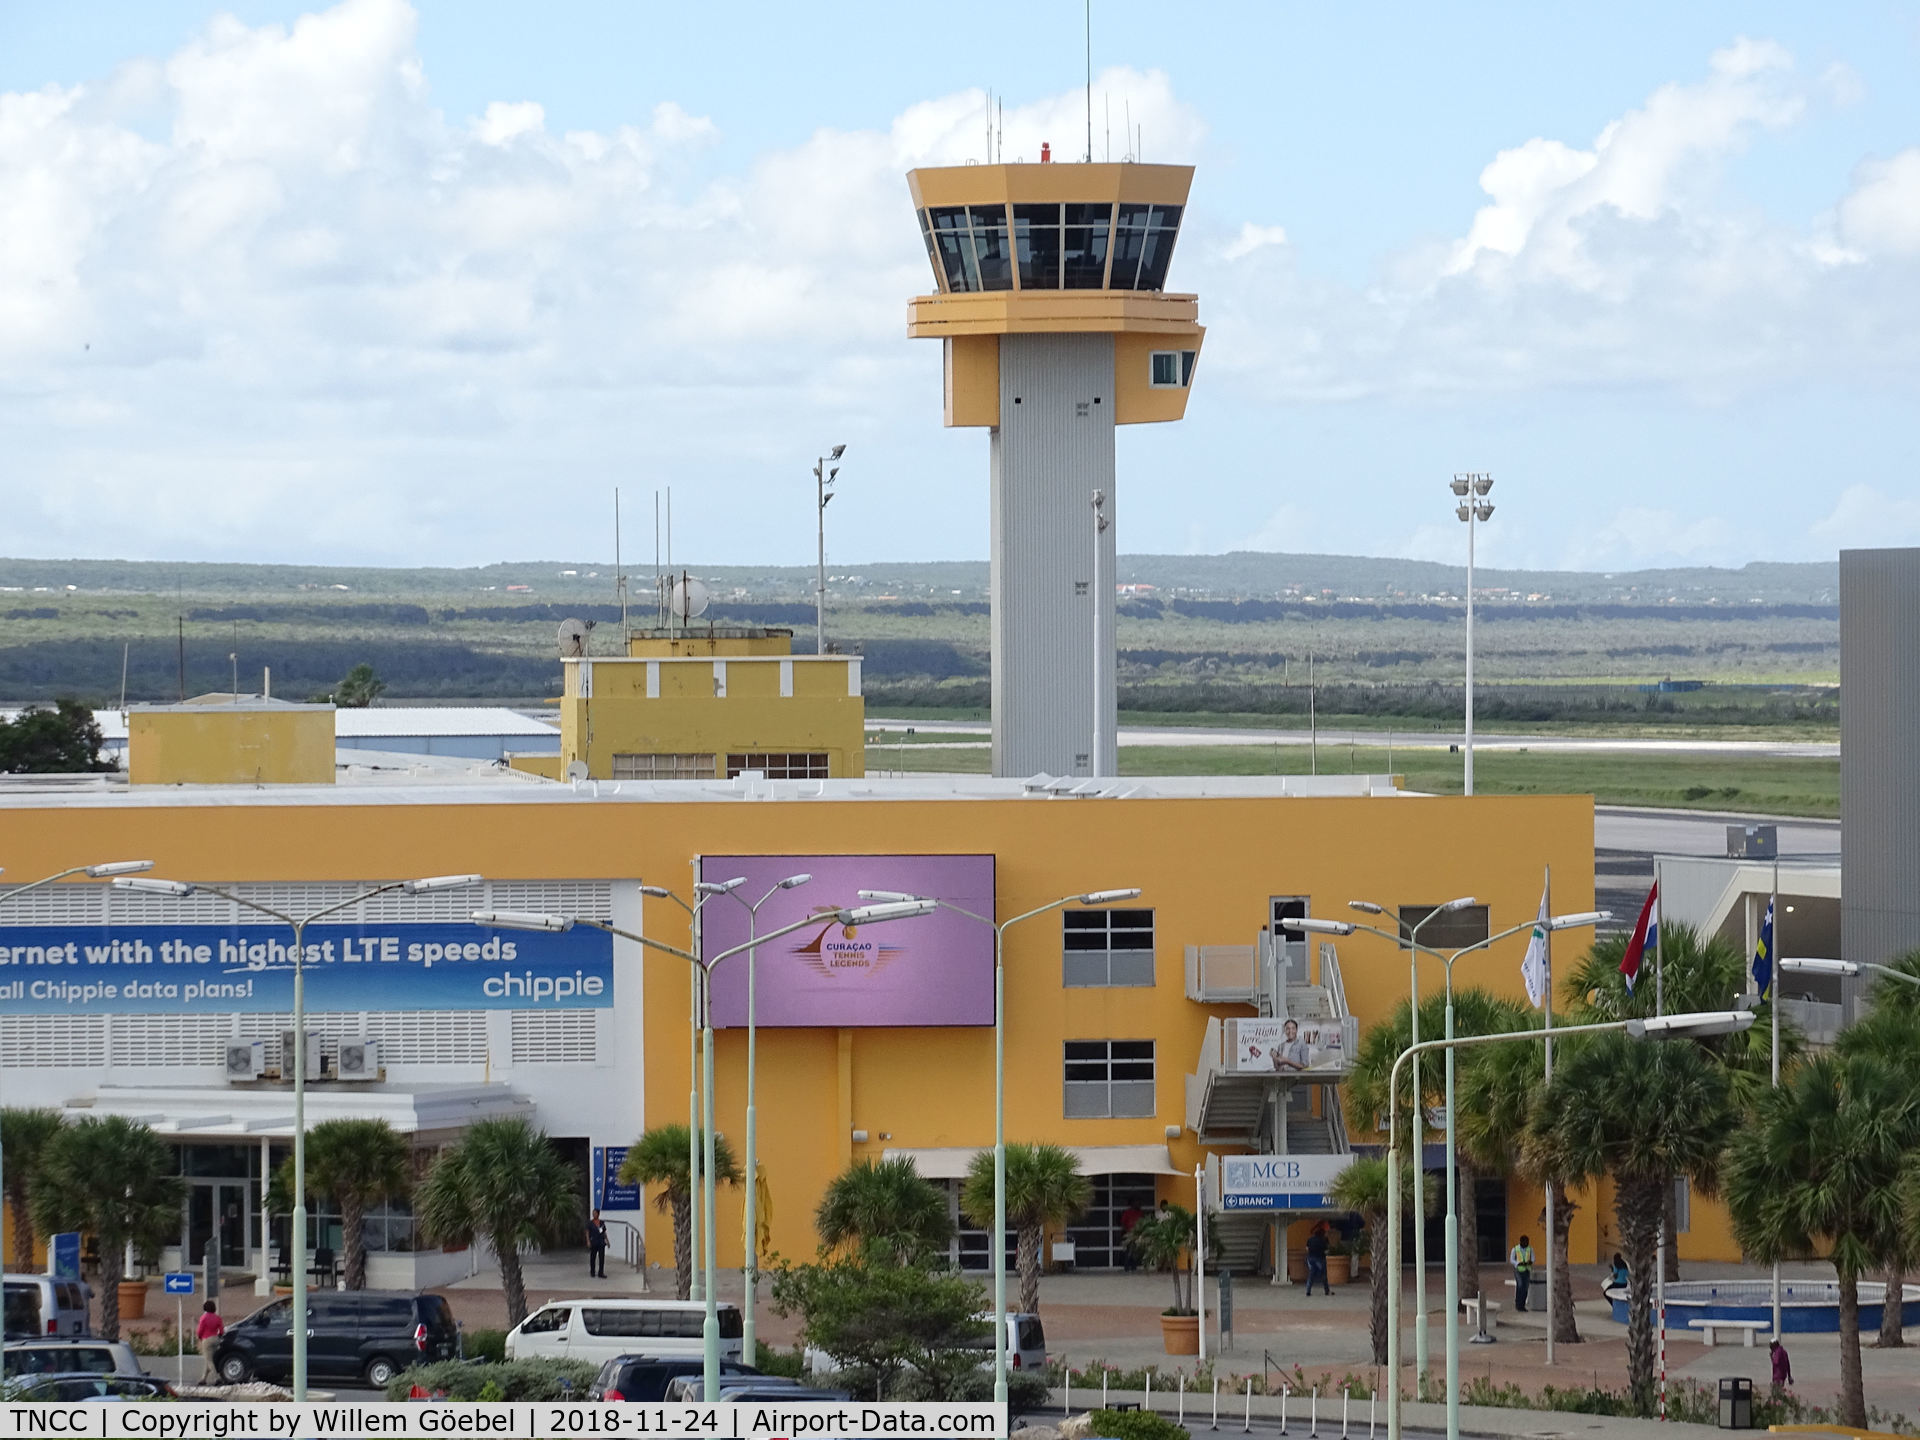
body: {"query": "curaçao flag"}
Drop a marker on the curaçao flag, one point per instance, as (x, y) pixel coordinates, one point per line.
(1646, 935)
(1763, 953)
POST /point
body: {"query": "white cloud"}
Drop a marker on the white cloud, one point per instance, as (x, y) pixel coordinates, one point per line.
(1867, 517)
(1881, 214)
(1253, 237)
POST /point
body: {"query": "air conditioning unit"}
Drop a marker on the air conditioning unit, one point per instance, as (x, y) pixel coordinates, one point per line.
(246, 1060)
(359, 1060)
(288, 1052)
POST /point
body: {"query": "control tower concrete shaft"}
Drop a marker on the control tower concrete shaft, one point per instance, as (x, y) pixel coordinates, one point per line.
(1055, 326)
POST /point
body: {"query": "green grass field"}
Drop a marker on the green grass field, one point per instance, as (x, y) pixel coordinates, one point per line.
(1758, 784)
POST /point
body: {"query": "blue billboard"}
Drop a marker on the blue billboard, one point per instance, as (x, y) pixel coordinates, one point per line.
(184, 969)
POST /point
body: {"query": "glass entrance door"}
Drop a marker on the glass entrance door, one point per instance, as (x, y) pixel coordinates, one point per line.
(217, 1214)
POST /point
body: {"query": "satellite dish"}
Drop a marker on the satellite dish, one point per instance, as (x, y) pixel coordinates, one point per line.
(688, 599)
(576, 770)
(573, 638)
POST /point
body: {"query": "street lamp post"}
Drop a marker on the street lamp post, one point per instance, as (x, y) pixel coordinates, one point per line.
(823, 496)
(181, 889)
(92, 872)
(1411, 939)
(1091, 897)
(863, 915)
(1713, 1022)
(704, 891)
(1474, 510)
(748, 1338)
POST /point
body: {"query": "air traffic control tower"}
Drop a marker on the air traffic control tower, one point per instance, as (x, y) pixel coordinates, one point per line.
(1056, 326)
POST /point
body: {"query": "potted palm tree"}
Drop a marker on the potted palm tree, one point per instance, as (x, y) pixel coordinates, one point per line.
(1045, 1190)
(1164, 1242)
(1339, 1263)
(503, 1181)
(113, 1178)
(659, 1157)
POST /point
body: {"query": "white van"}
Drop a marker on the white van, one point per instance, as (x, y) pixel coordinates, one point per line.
(600, 1330)
(39, 1305)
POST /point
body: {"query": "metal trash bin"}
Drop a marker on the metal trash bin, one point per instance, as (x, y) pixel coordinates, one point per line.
(1736, 1403)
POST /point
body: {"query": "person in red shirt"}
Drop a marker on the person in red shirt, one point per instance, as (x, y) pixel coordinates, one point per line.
(208, 1334)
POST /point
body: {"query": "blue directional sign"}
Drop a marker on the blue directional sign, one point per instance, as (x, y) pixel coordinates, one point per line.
(63, 1255)
(179, 1282)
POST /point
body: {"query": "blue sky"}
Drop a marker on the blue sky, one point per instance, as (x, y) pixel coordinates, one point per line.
(421, 284)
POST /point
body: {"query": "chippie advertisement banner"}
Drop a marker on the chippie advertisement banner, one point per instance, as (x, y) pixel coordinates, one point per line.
(182, 969)
(934, 969)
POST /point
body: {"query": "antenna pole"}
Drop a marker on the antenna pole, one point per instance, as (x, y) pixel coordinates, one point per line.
(669, 557)
(180, 630)
(619, 575)
(1090, 84)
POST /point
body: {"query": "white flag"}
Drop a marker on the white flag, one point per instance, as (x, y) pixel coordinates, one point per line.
(1533, 969)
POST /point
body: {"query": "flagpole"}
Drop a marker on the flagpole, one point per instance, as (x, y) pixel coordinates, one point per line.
(1553, 1290)
(1659, 963)
(1773, 981)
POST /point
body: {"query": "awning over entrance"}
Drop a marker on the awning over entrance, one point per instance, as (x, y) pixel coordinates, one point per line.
(950, 1162)
(242, 1113)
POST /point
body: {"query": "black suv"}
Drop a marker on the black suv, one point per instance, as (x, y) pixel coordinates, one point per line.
(644, 1377)
(373, 1334)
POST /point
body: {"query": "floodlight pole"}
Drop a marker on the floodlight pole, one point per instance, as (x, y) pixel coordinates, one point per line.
(823, 496)
(1473, 509)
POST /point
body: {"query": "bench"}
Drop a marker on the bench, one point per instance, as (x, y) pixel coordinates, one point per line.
(1747, 1328)
(1471, 1305)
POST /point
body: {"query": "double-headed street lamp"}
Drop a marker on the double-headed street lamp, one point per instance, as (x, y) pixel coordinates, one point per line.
(1473, 510)
(823, 478)
(863, 915)
(752, 1286)
(704, 890)
(1091, 897)
(180, 890)
(1409, 936)
(1711, 1022)
(92, 872)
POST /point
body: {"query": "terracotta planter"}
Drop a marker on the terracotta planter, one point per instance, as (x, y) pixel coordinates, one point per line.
(1339, 1269)
(1296, 1267)
(133, 1299)
(1181, 1333)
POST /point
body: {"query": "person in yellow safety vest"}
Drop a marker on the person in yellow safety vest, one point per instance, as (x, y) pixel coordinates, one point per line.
(1521, 1258)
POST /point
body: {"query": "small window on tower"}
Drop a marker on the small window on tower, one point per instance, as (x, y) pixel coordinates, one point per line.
(1187, 357)
(1164, 371)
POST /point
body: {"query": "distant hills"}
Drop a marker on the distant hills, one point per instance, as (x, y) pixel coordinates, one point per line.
(1238, 575)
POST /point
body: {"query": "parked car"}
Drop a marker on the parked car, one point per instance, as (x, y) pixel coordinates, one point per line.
(644, 1378)
(65, 1389)
(748, 1390)
(600, 1330)
(70, 1357)
(372, 1334)
(41, 1305)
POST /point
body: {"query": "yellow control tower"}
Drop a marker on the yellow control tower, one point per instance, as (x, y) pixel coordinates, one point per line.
(1053, 315)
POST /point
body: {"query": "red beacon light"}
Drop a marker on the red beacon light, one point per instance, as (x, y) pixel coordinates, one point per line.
(1046, 153)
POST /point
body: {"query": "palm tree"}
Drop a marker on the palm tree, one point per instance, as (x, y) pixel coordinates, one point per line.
(1045, 1189)
(1642, 1112)
(1699, 972)
(23, 1138)
(1362, 1186)
(1475, 1012)
(1498, 1091)
(659, 1157)
(115, 1179)
(1890, 1032)
(356, 1163)
(883, 1208)
(504, 1181)
(1819, 1168)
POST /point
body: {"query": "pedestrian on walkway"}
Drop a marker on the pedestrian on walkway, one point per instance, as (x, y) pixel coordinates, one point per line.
(1130, 1217)
(1317, 1259)
(1782, 1365)
(1521, 1258)
(207, 1336)
(597, 1247)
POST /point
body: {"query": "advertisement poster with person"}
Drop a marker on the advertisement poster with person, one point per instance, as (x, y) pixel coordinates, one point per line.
(1285, 1045)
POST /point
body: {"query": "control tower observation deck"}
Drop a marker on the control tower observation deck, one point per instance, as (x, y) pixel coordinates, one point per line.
(1055, 323)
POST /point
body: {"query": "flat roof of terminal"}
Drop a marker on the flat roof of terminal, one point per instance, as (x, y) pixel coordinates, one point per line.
(376, 778)
(355, 723)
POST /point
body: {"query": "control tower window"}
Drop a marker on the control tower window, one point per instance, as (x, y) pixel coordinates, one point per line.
(1170, 369)
(1036, 244)
(970, 247)
(1143, 246)
(1084, 256)
(933, 249)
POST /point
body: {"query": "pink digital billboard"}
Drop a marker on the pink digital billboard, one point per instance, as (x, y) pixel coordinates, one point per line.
(934, 969)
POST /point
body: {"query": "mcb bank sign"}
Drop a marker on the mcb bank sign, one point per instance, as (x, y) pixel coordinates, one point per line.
(1278, 1182)
(185, 969)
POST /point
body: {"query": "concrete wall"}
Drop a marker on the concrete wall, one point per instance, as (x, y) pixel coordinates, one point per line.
(1880, 753)
(1052, 450)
